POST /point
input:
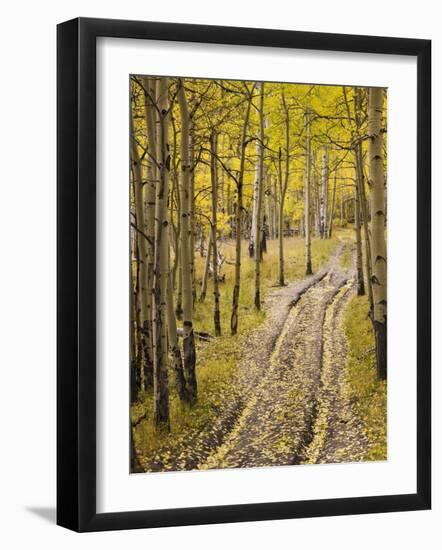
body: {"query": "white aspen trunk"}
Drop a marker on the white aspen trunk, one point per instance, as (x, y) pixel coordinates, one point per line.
(192, 208)
(324, 193)
(238, 221)
(283, 183)
(174, 349)
(254, 225)
(149, 215)
(206, 270)
(379, 250)
(358, 239)
(185, 252)
(308, 250)
(357, 94)
(332, 208)
(214, 230)
(259, 201)
(364, 216)
(161, 263)
(143, 258)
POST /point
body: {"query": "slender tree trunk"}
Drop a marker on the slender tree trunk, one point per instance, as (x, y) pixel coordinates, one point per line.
(137, 312)
(179, 294)
(364, 216)
(332, 208)
(275, 208)
(359, 163)
(324, 194)
(143, 258)
(254, 226)
(259, 201)
(316, 205)
(358, 239)
(186, 237)
(214, 230)
(283, 183)
(174, 348)
(135, 466)
(308, 250)
(206, 270)
(281, 230)
(238, 221)
(161, 264)
(192, 207)
(149, 205)
(271, 206)
(134, 366)
(379, 251)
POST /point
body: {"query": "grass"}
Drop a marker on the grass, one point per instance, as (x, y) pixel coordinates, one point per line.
(294, 269)
(217, 360)
(367, 393)
(346, 257)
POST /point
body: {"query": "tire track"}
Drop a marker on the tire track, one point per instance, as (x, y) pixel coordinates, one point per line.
(276, 425)
(337, 433)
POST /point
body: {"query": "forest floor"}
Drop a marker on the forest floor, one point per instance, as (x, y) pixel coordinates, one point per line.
(294, 389)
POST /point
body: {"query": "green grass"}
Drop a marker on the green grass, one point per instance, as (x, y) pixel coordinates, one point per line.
(217, 360)
(294, 269)
(367, 393)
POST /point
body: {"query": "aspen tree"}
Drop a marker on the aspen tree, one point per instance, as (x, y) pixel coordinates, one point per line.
(317, 197)
(324, 194)
(308, 250)
(149, 209)
(134, 367)
(206, 270)
(378, 246)
(254, 227)
(362, 198)
(238, 217)
(192, 206)
(358, 238)
(174, 349)
(143, 258)
(161, 261)
(283, 184)
(185, 252)
(214, 230)
(332, 208)
(259, 199)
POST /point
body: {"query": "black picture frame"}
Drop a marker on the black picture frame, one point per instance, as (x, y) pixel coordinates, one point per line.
(76, 274)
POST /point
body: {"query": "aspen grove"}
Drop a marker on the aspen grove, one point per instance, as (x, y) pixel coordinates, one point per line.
(258, 273)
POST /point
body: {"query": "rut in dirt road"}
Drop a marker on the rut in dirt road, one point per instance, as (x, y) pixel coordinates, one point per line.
(290, 416)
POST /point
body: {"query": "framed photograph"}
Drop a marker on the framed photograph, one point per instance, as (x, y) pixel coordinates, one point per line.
(243, 274)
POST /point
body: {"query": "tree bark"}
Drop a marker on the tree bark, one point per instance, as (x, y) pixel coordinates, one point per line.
(379, 252)
(308, 249)
(185, 252)
(324, 194)
(206, 270)
(362, 199)
(143, 259)
(332, 208)
(174, 349)
(259, 201)
(192, 207)
(358, 239)
(161, 263)
(214, 230)
(149, 209)
(283, 183)
(254, 227)
(364, 216)
(238, 220)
